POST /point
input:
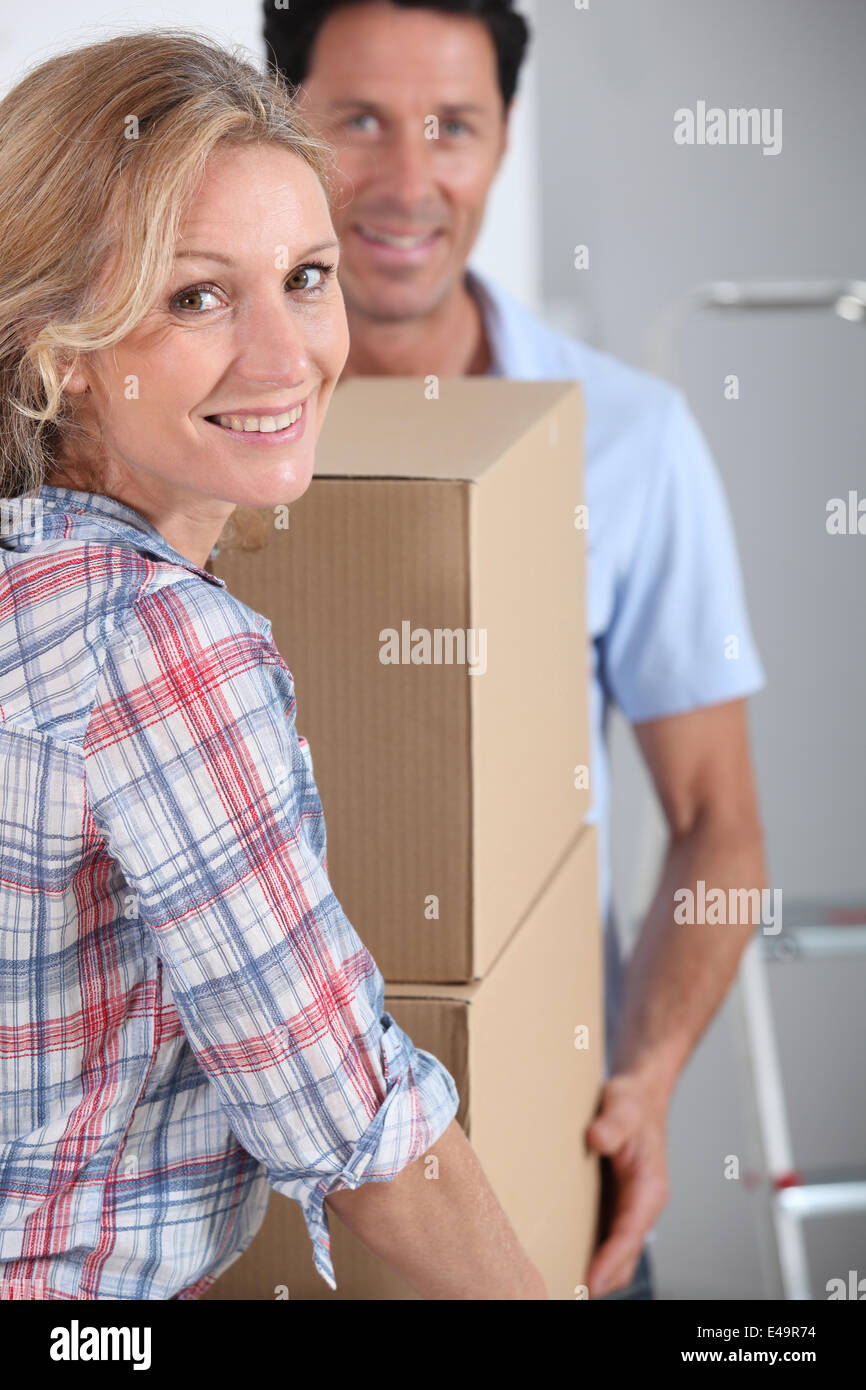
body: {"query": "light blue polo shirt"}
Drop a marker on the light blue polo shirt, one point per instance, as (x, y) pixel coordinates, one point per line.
(665, 605)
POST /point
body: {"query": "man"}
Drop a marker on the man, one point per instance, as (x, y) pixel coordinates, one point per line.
(670, 632)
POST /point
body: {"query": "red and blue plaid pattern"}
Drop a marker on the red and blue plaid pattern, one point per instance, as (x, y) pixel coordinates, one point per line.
(187, 1017)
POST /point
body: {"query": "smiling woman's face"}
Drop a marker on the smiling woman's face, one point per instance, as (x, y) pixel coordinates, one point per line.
(250, 329)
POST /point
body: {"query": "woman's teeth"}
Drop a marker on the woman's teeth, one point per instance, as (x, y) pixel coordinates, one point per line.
(261, 424)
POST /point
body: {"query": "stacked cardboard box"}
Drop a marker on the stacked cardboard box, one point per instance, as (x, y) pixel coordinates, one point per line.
(429, 598)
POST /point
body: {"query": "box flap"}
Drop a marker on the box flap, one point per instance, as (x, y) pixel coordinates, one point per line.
(371, 428)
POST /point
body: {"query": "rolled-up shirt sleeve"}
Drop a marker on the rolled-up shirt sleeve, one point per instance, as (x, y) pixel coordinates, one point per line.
(204, 793)
(679, 636)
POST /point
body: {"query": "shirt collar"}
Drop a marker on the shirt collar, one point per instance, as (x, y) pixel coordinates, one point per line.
(522, 347)
(64, 513)
(491, 317)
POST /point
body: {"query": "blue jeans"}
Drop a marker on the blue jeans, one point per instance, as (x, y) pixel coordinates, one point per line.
(641, 1285)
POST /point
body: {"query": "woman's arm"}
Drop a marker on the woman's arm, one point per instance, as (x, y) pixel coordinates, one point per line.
(447, 1236)
(200, 788)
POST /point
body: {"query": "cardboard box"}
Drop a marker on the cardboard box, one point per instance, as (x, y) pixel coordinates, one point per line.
(448, 785)
(527, 1094)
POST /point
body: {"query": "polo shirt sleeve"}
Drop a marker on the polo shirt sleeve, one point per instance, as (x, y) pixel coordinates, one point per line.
(679, 637)
(204, 793)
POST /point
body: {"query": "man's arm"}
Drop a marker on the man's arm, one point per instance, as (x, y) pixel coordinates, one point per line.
(446, 1236)
(678, 974)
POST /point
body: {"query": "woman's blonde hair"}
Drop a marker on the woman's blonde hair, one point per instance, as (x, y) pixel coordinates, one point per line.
(100, 150)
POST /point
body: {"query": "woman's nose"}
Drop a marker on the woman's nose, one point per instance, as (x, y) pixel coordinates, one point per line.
(272, 344)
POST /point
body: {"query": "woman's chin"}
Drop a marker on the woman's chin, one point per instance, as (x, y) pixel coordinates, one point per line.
(272, 487)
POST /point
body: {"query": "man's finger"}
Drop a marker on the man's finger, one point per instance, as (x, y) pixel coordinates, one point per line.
(605, 1135)
(622, 1276)
(611, 1127)
(635, 1208)
(613, 1265)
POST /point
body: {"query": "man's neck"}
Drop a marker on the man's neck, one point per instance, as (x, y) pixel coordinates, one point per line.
(449, 341)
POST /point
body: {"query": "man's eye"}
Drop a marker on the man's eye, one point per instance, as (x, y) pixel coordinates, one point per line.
(455, 126)
(195, 292)
(355, 122)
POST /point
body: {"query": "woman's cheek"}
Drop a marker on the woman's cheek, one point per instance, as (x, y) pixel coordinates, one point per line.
(330, 342)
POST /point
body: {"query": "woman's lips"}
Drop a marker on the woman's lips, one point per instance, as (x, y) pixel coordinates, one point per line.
(263, 439)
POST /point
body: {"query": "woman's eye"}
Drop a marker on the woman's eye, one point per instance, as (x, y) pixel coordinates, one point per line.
(312, 278)
(195, 293)
(307, 280)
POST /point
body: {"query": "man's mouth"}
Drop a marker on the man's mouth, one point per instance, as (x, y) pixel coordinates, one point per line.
(400, 242)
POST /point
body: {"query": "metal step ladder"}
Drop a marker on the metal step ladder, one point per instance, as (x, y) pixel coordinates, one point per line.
(816, 933)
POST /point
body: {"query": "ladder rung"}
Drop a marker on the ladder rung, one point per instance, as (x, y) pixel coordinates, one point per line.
(814, 943)
(822, 1199)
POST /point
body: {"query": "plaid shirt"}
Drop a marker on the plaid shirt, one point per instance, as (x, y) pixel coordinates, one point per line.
(188, 1017)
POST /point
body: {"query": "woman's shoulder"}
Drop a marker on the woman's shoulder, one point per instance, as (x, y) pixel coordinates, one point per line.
(88, 622)
(188, 655)
(183, 613)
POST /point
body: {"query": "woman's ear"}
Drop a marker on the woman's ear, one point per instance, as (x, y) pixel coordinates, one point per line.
(77, 384)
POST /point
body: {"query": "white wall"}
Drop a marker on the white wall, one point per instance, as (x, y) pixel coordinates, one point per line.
(509, 248)
(27, 36)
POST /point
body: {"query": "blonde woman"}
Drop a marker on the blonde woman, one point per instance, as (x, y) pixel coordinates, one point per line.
(186, 1015)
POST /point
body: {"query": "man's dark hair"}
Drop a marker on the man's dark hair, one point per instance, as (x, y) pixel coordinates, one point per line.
(290, 34)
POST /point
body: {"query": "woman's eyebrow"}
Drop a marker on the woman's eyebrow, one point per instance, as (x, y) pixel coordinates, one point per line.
(227, 260)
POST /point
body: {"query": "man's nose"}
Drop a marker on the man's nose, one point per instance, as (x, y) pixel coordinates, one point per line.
(406, 164)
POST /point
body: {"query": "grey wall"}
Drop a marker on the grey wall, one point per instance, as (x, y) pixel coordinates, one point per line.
(659, 218)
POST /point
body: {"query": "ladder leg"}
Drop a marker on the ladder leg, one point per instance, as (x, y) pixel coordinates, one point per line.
(772, 1116)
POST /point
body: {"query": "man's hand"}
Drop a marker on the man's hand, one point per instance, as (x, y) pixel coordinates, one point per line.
(677, 974)
(630, 1129)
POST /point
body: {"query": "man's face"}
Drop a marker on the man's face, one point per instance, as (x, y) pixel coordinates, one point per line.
(409, 197)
